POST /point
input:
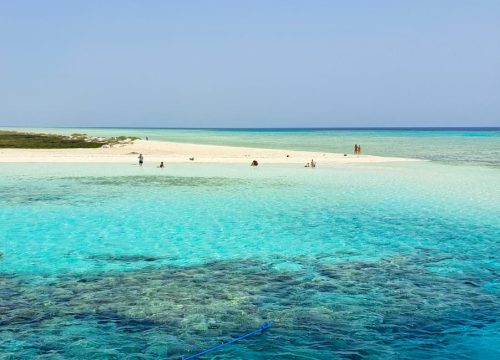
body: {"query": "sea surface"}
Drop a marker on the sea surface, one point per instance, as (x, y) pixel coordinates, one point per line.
(360, 261)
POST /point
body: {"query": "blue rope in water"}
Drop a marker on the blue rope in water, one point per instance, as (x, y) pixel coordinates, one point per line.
(260, 330)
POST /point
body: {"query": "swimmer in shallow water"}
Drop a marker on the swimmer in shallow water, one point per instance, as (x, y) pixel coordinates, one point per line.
(254, 163)
(161, 165)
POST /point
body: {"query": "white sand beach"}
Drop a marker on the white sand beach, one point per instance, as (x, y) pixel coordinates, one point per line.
(171, 152)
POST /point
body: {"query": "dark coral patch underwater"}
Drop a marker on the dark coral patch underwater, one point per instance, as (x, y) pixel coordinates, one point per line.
(393, 308)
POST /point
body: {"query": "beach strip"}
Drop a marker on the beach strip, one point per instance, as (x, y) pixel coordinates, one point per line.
(172, 152)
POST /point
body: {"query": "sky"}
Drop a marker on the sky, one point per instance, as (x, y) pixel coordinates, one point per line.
(255, 63)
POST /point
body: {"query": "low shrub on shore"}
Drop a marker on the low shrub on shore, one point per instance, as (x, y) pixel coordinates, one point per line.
(20, 140)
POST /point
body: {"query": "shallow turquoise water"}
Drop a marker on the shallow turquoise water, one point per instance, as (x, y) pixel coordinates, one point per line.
(361, 261)
(451, 146)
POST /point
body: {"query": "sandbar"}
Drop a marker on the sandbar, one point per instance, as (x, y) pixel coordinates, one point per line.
(172, 152)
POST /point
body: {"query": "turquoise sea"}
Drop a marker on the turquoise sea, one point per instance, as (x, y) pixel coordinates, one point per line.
(361, 261)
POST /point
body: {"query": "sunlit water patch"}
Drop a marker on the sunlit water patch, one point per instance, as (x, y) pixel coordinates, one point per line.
(372, 261)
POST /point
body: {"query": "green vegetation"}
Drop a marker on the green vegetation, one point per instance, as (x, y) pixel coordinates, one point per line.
(20, 140)
(118, 139)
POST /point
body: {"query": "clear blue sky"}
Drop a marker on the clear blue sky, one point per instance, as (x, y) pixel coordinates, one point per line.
(251, 63)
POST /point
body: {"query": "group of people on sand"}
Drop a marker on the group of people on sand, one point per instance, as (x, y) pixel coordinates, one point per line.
(357, 149)
(311, 164)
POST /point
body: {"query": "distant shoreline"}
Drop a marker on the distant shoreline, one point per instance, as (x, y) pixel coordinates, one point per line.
(382, 128)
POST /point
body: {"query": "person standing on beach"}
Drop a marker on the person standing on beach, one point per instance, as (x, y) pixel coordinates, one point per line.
(359, 149)
(141, 159)
(355, 149)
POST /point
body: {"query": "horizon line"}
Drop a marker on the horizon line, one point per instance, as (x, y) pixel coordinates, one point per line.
(267, 128)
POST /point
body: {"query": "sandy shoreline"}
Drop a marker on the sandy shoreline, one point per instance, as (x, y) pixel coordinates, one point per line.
(170, 152)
